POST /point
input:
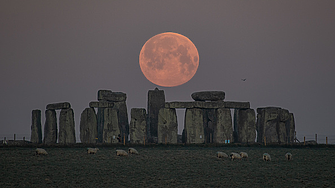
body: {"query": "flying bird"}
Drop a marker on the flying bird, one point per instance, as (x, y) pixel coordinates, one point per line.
(244, 79)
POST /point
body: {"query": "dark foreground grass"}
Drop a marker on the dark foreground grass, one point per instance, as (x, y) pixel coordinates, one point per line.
(167, 167)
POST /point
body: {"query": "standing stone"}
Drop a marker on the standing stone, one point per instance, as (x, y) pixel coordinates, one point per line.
(274, 124)
(223, 130)
(290, 127)
(88, 126)
(208, 96)
(111, 127)
(194, 129)
(209, 122)
(123, 122)
(138, 126)
(36, 127)
(167, 130)
(67, 133)
(156, 101)
(50, 127)
(244, 125)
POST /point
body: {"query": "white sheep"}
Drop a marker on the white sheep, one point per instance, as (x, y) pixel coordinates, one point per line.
(266, 157)
(235, 156)
(120, 152)
(92, 150)
(244, 154)
(220, 154)
(288, 156)
(133, 151)
(40, 151)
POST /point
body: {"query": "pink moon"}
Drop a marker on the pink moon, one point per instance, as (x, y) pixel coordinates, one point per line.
(169, 59)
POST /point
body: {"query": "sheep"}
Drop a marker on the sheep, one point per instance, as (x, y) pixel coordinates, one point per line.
(244, 154)
(288, 156)
(92, 150)
(220, 154)
(235, 156)
(120, 152)
(133, 151)
(266, 157)
(40, 151)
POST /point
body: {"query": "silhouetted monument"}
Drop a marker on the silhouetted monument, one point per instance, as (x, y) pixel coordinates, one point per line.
(50, 127)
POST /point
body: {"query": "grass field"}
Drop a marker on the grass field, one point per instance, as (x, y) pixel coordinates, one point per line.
(167, 166)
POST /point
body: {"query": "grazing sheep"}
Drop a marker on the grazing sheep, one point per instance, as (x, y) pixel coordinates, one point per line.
(288, 156)
(220, 154)
(92, 150)
(244, 154)
(40, 151)
(133, 151)
(235, 156)
(120, 152)
(266, 157)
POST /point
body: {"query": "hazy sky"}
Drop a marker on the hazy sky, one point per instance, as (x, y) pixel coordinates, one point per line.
(54, 51)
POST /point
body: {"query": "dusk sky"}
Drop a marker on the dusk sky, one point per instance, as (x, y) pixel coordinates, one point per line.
(55, 51)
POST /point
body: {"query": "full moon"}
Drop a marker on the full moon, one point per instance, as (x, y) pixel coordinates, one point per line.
(169, 59)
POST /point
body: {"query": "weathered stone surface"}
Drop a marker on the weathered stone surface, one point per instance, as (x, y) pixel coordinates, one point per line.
(88, 126)
(236, 105)
(121, 108)
(212, 104)
(138, 126)
(167, 126)
(275, 124)
(50, 127)
(209, 123)
(36, 127)
(107, 95)
(208, 96)
(101, 104)
(244, 125)
(58, 106)
(291, 129)
(67, 134)
(156, 101)
(223, 131)
(194, 129)
(108, 126)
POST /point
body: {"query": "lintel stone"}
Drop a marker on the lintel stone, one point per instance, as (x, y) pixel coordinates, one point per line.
(58, 106)
(101, 104)
(213, 104)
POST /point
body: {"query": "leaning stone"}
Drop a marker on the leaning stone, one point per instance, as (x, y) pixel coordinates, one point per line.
(244, 125)
(167, 126)
(101, 104)
(36, 127)
(58, 106)
(138, 126)
(108, 95)
(223, 130)
(156, 101)
(208, 96)
(88, 126)
(67, 134)
(194, 129)
(50, 127)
